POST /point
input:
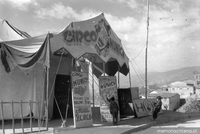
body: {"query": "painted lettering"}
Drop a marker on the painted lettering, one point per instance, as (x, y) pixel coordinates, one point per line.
(83, 117)
(143, 107)
(78, 102)
(117, 48)
(80, 81)
(108, 84)
(78, 36)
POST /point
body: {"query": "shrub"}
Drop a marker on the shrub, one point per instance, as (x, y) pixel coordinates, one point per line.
(192, 105)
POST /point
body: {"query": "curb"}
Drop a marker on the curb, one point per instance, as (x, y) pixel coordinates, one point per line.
(150, 124)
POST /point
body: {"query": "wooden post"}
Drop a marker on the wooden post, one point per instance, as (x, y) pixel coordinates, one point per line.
(13, 120)
(38, 115)
(2, 114)
(47, 90)
(30, 105)
(22, 121)
(146, 49)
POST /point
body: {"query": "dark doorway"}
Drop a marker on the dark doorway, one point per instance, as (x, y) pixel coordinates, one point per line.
(125, 102)
(63, 97)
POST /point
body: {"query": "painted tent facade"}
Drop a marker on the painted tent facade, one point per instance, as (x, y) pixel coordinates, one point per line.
(95, 40)
(25, 60)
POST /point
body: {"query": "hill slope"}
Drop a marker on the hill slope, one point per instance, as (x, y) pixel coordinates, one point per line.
(162, 78)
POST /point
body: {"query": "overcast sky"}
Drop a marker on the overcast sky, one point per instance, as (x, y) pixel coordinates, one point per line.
(174, 30)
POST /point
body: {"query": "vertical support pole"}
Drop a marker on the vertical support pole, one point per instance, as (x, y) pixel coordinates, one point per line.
(22, 121)
(13, 120)
(76, 67)
(92, 86)
(146, 49)
(30, 105)
(104, 68)
(38, 105)
(118, 77)
(47, 97)
(130, 78)
(2, 114)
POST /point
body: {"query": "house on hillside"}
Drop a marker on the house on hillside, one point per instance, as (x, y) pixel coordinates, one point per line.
(190, 82)
(198, 91)
(164, 87)
(182, 88)
(156, 93)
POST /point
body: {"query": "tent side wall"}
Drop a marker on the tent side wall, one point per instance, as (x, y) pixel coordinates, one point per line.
(174, 102)
(17, 86)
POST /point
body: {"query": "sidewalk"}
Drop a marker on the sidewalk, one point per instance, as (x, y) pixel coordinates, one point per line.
(125, 126)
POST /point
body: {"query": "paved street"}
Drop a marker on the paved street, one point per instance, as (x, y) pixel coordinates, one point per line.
(183, 126)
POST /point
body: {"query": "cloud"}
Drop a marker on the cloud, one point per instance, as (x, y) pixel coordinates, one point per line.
(22, 5)
(133, 4)
(60, 11)
(121, 25)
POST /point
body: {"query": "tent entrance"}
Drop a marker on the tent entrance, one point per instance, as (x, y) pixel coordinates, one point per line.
(63, 97)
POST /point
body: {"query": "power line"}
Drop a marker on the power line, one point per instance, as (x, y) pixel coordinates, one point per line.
(138, 53)
(138, 75)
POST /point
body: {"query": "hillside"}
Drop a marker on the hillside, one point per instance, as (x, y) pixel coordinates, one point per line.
(162, 78)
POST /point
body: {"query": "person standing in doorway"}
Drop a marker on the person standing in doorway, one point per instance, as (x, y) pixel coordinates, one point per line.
(114, 110)
(157, 109)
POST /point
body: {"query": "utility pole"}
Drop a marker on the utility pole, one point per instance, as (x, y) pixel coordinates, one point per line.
(146, 49)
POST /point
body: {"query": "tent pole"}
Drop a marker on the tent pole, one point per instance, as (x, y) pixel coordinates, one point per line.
(130, 78)
(104, 69)
(47, 98)
(92, 85)
(47, 86)
(118, 77)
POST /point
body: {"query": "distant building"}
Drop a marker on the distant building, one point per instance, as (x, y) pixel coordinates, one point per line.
(164, 87)
(190, 82)
(156, 93)
(182, 88)
(198, 91)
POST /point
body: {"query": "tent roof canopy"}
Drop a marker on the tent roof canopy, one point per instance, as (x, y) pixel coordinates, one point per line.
(93, 39)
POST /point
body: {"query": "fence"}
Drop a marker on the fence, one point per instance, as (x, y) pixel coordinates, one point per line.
(22, 118)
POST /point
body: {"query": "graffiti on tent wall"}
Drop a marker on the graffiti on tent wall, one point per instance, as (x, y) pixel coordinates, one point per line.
(144, 107)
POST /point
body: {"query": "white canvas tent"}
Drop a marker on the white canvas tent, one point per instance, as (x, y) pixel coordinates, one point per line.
(9, 32)
(27, 59)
